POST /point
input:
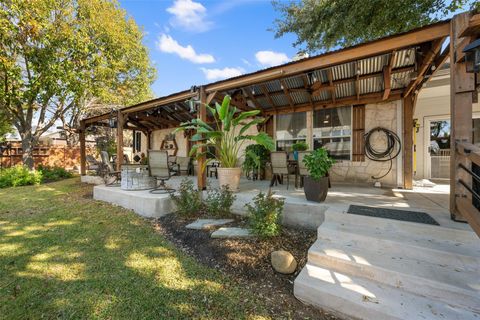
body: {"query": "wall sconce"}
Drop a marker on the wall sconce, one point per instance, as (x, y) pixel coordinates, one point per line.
(472, 56)
(193, 101)
(111, 121)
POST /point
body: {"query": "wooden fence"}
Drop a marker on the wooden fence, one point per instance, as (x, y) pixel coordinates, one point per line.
(53, 156)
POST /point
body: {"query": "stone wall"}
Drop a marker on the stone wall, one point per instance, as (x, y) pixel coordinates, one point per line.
(376, 115)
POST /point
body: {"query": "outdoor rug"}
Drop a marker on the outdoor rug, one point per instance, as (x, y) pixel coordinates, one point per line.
(395, 214)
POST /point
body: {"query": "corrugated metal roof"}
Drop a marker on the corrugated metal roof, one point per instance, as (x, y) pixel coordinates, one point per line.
(343, 71)
(404, 58)
(323, 95)
(299, 97)
(370, 85)
(345, 89)
(280, 100)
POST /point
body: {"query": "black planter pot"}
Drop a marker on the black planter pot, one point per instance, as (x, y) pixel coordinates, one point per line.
(315, 190)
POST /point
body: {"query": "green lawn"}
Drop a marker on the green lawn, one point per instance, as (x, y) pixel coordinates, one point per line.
(64, 255)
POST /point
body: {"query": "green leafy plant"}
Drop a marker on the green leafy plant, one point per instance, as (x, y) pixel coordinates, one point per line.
(218, 202)
(228, 136)
(318, 162)
(265, 214)
(188, 200)
(53, 173)
(300, 146)
(19, 176)
(256, 157)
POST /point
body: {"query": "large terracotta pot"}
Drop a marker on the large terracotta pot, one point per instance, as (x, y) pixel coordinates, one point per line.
(229, 177)
(315, 190)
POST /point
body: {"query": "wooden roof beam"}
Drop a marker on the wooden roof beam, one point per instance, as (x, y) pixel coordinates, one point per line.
(305, 85)
(387, 76)
(330, 82)
(425, 65)
(256, 105)
(364, 99)
(287, 94)
(473, 27)
(267, 95)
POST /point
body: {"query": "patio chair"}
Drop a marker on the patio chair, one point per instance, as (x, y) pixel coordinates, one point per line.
(109, 172)
(280, 167)
(183, 164)
(159, 168)
(301, 168)
(93, 164)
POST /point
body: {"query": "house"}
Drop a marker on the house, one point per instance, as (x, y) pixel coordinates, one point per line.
(388, 111)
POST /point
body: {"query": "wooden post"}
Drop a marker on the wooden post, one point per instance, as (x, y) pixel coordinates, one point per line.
(149, 139)
(462, 84)
(202, 115)
(120, 121)
(83, 155)
(408, 105)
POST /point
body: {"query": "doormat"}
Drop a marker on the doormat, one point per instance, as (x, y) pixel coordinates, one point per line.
(402, 215)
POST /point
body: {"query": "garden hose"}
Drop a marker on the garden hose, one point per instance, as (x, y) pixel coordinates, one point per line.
(390, 152)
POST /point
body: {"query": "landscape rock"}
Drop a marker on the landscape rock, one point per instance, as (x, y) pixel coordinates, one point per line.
(283, 262)
(225, 232)
(200, 224)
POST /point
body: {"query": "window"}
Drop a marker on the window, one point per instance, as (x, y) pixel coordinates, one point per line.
(332, 130)
(137, 141)
(290, 128)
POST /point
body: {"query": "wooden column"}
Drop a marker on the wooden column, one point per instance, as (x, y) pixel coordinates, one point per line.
(83, 151)
(120, 122)
(202, 115)
(408, 106)
(149, 139)
(462, 85)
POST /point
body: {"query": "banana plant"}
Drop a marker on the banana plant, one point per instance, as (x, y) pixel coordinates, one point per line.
(228, 135)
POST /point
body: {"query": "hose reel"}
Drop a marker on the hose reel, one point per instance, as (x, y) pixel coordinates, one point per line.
(388, 153)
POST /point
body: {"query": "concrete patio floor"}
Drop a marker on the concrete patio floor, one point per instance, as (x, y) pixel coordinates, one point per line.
(432, 200)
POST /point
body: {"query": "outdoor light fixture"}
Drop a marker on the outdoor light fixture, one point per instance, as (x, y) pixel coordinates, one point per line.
(472, 56)
(193, 100)
(111, 121)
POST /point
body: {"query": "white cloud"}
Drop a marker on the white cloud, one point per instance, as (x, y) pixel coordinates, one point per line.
(245, 61)
(218, 74)
(167, 44)
(271, 58)
(189, 15)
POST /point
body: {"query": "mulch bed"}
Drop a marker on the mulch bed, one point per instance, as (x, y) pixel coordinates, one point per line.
(247, 261)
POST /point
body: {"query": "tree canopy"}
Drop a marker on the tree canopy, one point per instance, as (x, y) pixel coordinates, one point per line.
(57, 56)
(321, 24)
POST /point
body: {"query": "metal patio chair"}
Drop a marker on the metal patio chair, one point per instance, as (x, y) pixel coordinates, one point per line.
(280, 167)
(109, 172)
(159, 168)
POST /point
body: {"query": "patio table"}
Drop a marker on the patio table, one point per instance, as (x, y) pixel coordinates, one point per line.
(136, 177)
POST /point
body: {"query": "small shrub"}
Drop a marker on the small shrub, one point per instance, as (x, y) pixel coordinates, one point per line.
(54, 173)
(318, 163)
(265, 214)
(219, 201)
(19, 176)
(188, 200)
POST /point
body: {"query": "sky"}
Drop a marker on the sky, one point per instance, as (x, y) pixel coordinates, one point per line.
(198, 42)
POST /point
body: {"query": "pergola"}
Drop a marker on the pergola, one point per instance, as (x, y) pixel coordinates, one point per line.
(391, 68)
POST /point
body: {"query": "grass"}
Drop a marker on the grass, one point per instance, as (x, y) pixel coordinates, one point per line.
(64, 255)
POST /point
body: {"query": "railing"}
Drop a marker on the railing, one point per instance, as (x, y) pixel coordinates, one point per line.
(469, 207)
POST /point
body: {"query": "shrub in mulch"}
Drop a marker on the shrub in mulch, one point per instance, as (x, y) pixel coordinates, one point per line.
(248, 261)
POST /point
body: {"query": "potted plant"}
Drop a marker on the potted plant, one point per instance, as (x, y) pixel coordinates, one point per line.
(316, 183)
(299, 146)
(224, 141)
(256, 158)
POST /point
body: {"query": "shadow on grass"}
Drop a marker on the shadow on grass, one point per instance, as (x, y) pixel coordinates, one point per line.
(64, 256)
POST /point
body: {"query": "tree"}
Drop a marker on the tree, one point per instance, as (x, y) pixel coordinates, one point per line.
(322, 25)
(5, 125)
(57, 56)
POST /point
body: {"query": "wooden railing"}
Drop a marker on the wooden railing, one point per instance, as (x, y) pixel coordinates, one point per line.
(469, 206)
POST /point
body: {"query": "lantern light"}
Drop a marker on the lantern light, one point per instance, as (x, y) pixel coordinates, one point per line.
(472, 56)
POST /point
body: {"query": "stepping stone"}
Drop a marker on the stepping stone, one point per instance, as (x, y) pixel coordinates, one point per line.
(201, 224)
(225, 232)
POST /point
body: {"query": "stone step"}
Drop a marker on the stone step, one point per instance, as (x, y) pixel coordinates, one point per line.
(359, 298)
(326, 234)
(390, 266)
(439, 238)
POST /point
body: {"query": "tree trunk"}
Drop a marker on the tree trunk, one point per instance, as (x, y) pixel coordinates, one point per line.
(28, 142)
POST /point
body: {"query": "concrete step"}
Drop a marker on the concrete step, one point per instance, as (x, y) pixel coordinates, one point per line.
(359, 298)
(395, 267)
(449, 240)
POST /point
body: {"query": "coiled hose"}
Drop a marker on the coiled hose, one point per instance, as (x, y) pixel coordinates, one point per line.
(390, 152)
